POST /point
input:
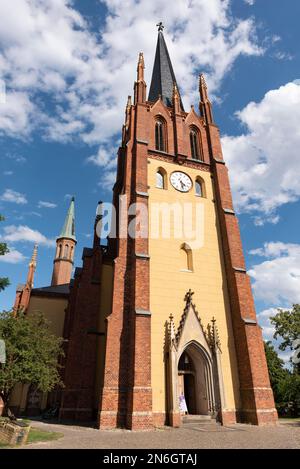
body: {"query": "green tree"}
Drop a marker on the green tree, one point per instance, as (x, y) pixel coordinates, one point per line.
(32, 353)
(287, 327)
(278, 374)
(289, 389)
(4, 282)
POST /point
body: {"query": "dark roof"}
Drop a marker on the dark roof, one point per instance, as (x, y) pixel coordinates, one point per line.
(87, 252)
(52, 290)
(163, 77)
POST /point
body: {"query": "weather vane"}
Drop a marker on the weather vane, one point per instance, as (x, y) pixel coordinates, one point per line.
(160, 26)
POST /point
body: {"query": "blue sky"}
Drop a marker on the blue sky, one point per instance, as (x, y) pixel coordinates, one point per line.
(68, 67)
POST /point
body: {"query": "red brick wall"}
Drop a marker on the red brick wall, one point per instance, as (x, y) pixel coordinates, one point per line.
(256, 395)
(83, 311)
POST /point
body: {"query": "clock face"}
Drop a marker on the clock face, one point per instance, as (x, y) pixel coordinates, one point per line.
(181, 181)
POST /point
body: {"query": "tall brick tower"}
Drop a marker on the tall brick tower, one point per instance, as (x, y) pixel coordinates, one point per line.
(24, 291)
(157, 316)
(65, 246)
(182, 320)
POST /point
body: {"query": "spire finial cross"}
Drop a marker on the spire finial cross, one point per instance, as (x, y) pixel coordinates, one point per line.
(188, 297)
(160, 26)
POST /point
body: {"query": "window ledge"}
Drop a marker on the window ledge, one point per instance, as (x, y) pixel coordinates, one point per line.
(197, 160)
(186, 270)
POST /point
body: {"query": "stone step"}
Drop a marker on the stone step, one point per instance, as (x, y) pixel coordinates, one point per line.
(198, 419)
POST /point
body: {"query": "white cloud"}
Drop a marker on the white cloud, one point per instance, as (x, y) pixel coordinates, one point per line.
(262, 220)
(10, 195)
(281, 55)
(23, 233)
(265, 161)
(285, 356)
(264, 321)
(13, 257)
(105, 158)
(8, 173)
(277, 280)
(43, 204)
(48, 46)
(249, 2)
(15, 157)
(17, 114)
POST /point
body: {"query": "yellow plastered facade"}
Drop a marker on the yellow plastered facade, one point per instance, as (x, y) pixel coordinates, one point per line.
(53, 309)
(170, 280)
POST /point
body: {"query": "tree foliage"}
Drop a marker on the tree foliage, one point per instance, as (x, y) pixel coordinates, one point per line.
(287, 326)
(285, 383)
(32, 353)
(4, 282)
(278, 374)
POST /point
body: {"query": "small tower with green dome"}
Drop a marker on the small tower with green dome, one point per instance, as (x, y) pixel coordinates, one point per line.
(65, 247)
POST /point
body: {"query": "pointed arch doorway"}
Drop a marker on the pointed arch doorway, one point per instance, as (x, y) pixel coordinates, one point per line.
(194, 380)
(194, 367)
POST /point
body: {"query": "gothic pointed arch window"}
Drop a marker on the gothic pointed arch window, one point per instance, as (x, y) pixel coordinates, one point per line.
(160, 134)
(66, 253)
(186, 256)
(200, 187)
(195, 142)
(59, 254)
(161, 178)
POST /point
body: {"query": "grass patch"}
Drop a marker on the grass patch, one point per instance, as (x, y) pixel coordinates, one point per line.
(36, 435)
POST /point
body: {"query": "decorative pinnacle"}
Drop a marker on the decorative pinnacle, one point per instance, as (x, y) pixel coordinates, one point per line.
(160, 26)
(188, 297)
(34, 255)
(202, 82)
(141, 58)
(172, 332)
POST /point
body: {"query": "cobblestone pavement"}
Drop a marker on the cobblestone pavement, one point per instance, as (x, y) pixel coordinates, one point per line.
(285, 435)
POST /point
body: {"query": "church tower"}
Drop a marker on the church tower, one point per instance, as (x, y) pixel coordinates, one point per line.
(164, 311)
(24, 291)
(182, 320)
(65, 247)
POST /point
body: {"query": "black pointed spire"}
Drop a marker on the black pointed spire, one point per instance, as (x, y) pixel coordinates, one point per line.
(163, 77)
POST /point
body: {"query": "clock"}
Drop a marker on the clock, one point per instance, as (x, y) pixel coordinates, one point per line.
(181, 181)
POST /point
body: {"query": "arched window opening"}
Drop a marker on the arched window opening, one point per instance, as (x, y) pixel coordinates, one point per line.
(161, 179)
(59, 251)
(195, 142)
(66, 254)
(71, 253)
(199, 187)
(160, 135)
(186, 258)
